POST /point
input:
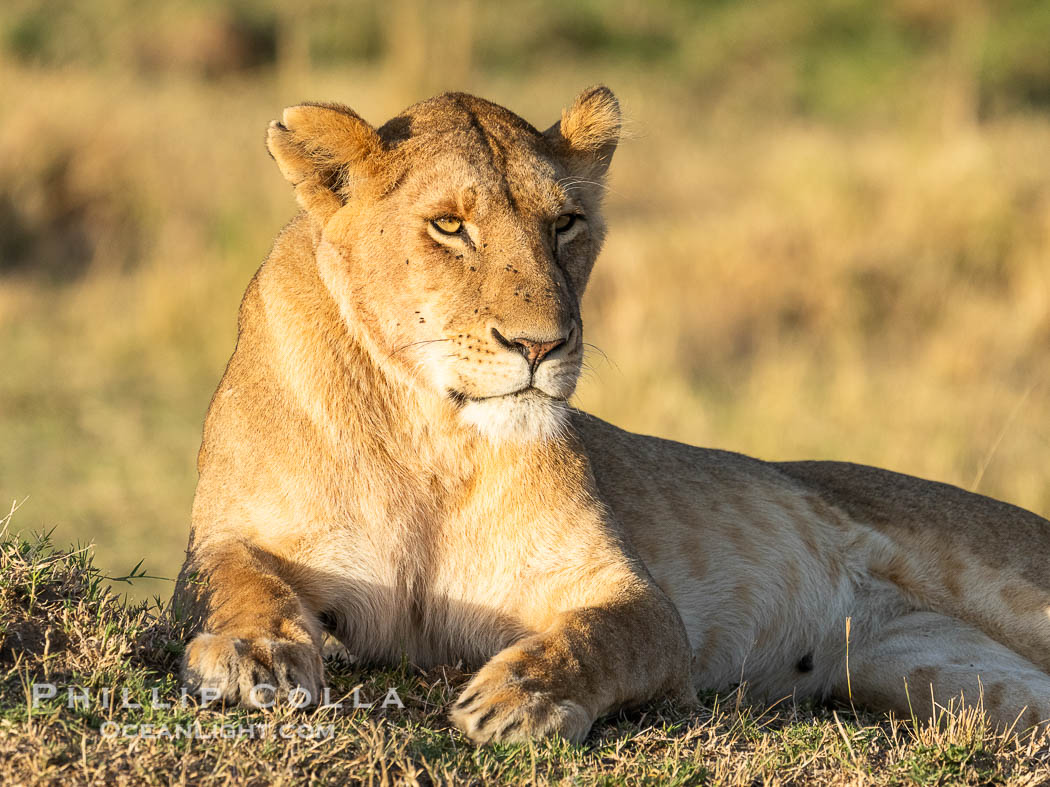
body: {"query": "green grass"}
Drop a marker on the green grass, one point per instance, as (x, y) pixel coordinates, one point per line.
(841, 59)
(60, 624)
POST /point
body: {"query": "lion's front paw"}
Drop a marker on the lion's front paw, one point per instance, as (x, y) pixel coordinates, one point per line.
(504, 703)
(253, 672)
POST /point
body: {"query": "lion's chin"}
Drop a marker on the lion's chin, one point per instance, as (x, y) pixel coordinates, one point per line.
(522, 417)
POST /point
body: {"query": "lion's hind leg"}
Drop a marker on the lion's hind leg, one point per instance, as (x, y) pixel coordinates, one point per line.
(922, 662)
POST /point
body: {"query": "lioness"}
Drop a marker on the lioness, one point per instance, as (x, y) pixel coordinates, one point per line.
(390, 457)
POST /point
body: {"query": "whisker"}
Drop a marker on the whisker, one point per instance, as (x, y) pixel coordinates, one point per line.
(414, 344)
(570, 184)
(597, 349)
(588, 347)
(571, 181)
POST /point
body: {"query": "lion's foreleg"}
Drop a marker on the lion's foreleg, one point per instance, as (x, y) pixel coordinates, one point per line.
(256, 639)
(589, 661)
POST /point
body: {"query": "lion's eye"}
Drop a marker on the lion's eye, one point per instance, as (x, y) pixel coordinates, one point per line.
(564, 222)
(448, 225)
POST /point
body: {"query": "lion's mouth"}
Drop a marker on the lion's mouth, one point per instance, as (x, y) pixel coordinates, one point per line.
(460, 399)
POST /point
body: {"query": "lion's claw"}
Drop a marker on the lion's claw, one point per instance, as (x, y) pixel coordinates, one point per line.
(499, 706)
(252, 672)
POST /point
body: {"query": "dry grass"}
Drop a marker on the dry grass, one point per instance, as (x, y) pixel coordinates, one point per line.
(60, 625)
(876, 296)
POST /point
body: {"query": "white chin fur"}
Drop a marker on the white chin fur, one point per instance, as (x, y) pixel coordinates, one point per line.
(516, 418)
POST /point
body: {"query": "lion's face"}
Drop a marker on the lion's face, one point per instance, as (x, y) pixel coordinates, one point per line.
(460, 246)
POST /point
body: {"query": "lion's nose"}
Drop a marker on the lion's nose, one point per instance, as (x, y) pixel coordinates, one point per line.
(533, 350)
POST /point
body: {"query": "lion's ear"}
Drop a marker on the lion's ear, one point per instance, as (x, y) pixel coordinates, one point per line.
(588, 132)
(321, 149)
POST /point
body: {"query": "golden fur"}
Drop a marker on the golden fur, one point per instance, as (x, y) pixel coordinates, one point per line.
(390, 458)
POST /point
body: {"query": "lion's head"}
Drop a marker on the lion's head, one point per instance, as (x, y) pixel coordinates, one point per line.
(457, 240)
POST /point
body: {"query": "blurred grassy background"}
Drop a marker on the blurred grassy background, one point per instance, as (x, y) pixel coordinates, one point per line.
(830, 225)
